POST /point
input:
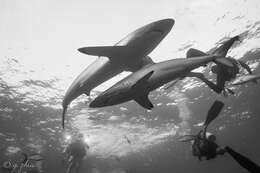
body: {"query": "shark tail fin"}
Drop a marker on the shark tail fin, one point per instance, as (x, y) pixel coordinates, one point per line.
(223, 49)
(63, 115)
(193, 53)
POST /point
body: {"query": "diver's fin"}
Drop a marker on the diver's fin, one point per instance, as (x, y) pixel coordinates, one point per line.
(63, 115)
(194, 53)
(223, 49)
(224, 61)
(144, 101)
(213, 112)
(107, 51)
(142, 81)
(187, 138)
(243, 161)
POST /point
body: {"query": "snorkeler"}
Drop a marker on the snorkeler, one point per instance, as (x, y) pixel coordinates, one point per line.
(204, 143)
(76, 151)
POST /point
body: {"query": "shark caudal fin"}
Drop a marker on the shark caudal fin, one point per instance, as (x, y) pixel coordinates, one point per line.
(107, 51)
(193, 53)
(220, 52)
(63, 115)
(223, 49)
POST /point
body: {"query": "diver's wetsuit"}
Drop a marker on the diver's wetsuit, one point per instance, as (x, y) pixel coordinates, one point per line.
(76, 152)
(202, 147)
(228, 73)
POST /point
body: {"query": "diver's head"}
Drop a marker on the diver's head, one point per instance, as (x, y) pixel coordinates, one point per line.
(79, 136)
(211, 137)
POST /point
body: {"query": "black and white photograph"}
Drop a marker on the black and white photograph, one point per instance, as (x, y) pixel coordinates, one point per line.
(129, 86)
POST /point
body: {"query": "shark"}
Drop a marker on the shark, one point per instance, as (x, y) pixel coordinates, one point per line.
(139, 84)
(129, 54)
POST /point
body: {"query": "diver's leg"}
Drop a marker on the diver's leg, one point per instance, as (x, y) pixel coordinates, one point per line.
(71, 165)
(243, 161)
(78, 165)
(205, 80)
(221, 81)
(221, 151)
(245, 66)
(69, 168)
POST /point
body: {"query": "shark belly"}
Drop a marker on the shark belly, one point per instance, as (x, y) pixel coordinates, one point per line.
(98, 72)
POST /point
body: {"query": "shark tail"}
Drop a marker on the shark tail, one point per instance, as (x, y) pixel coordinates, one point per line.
(223, 49)
(63, 115)
(220, 53)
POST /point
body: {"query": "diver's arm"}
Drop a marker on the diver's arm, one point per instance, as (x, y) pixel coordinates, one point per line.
(245, 66)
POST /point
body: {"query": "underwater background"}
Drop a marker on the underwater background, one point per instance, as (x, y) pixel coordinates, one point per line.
(39, 60)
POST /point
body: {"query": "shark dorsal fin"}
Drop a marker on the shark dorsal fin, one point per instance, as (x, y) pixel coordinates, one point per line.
(144, 102)
(142, 80)
(191, 53)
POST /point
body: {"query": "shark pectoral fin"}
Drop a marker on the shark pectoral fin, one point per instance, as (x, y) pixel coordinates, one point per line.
(144, 102)
(194, 53)
(142, 81)
(224, 61)
(107, 51)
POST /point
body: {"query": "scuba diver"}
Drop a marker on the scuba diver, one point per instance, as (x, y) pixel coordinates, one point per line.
(75, 153)
(205, 146)
(204, 143)
(226, 68)
(225, 73)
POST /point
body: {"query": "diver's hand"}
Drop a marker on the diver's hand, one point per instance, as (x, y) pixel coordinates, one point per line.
(227, 91)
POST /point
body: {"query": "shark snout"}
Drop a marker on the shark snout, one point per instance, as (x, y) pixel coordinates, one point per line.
(165, 25)
(99, 102)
